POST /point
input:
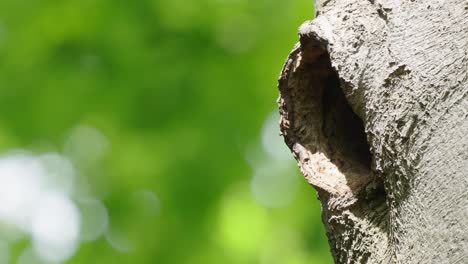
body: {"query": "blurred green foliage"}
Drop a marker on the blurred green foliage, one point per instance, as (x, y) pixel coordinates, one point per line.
(181, 90)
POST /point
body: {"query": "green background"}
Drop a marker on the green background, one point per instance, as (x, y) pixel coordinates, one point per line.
(181, 91)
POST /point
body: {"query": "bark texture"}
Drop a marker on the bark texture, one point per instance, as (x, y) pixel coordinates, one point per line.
(373, 103)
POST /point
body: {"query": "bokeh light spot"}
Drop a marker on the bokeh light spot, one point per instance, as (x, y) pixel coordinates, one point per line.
(55, 227)
(86, 145)
(118, 240)
(94, 218)
(21, 180)
(243, 223)
(60, 172)
(274, 184)
(36, 200)
(272, 142)
(147, 201)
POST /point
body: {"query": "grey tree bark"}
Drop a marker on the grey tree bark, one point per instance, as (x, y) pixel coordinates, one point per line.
(373, 104)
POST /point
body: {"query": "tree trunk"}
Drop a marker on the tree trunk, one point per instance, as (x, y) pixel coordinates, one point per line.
(373, 103)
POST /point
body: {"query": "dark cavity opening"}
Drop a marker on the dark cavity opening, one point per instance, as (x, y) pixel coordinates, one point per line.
(346, 141)
(343, 129)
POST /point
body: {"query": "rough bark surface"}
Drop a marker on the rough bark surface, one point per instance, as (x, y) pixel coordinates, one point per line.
(373, 103)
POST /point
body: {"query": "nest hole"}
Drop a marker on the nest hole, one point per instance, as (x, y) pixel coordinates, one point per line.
(343, 128)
